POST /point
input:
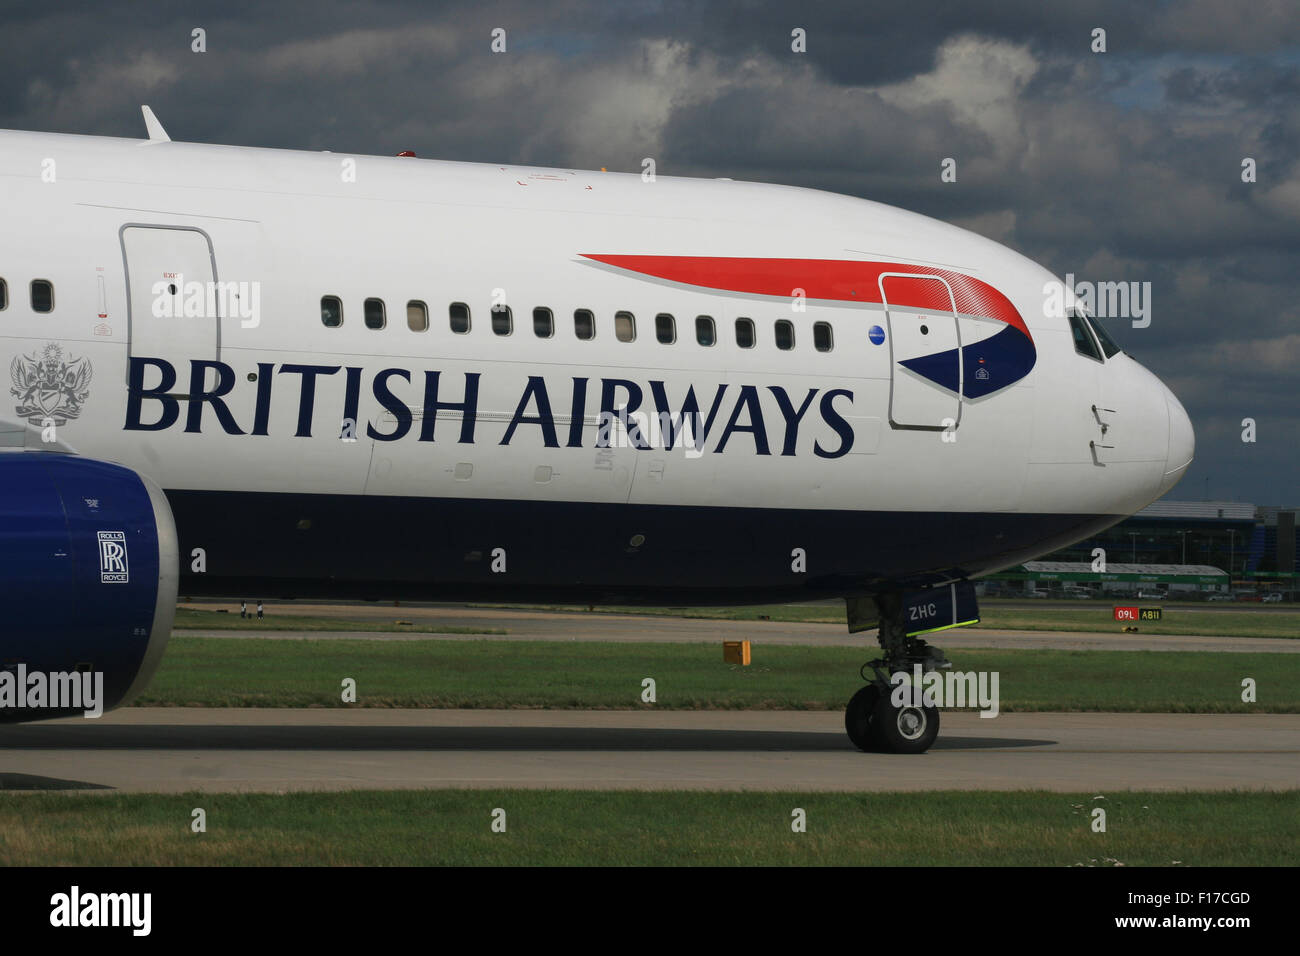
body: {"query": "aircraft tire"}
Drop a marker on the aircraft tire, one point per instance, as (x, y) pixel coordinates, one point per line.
(858, 716)
(903, 730)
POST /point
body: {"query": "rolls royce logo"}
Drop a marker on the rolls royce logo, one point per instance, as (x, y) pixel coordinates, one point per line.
(50, 388)
(112, 558)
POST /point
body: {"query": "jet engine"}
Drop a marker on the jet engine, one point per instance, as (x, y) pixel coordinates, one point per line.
(88, 576)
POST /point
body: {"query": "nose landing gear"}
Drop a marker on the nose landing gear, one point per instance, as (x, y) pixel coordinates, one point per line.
(882, 717)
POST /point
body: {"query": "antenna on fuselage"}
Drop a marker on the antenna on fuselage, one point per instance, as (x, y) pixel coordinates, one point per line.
(155, 129)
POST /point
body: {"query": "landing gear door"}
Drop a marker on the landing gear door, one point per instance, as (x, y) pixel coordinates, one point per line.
(940, 608)
(925, 352)
(173, 309)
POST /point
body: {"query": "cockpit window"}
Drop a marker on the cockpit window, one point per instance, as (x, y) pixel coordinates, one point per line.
(1107, 343)
(1083, 341)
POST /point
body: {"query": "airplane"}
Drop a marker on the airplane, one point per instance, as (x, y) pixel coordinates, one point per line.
(307, 374)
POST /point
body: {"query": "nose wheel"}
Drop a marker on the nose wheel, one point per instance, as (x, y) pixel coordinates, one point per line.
(872, 719)
(875, 725)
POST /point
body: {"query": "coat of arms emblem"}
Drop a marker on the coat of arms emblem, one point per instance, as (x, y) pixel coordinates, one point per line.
(50, 387)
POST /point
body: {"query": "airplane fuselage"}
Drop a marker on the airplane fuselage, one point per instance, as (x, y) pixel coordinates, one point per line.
(336, 368)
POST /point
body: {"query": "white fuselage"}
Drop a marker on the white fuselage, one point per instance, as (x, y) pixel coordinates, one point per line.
(106, 221)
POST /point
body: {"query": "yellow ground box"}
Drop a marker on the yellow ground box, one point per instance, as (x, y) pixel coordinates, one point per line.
(736, 652)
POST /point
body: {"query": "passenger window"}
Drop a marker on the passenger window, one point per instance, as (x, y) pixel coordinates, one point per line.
(374, 314)
(1083, 343)
(4, 295)
(584, 324)
(665, 328)
(543, 323)
(331, 311)
(625, 326)
(1107, 343)
(417, 316)
(42, 295)
(458, 315)
(503, 320)
(784, 334)
(705, 332)
(823, 339)
(745, 333)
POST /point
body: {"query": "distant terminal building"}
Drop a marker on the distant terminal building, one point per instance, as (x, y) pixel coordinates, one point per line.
(1175, 545)
(1078, 579)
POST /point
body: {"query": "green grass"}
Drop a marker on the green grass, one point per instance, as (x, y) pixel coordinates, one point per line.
(832, 613)
(1093, 616)
(239, 672)
(566, 827)
(193, 619)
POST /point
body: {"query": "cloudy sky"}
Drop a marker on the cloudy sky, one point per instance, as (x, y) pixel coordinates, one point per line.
(1116, 166)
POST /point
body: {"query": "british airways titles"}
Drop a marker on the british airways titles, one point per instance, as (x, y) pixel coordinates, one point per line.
(643, 417)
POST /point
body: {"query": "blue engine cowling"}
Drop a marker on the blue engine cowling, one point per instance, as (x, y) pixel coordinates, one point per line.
(88, 574)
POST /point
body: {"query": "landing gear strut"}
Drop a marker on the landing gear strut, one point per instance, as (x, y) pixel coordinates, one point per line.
(872, 720)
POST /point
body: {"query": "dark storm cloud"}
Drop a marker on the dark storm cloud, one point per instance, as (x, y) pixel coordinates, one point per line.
(862, 43)
(1252, 82)
(1122, 167)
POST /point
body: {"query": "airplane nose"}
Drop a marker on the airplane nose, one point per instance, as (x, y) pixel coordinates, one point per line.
(1182, 442)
